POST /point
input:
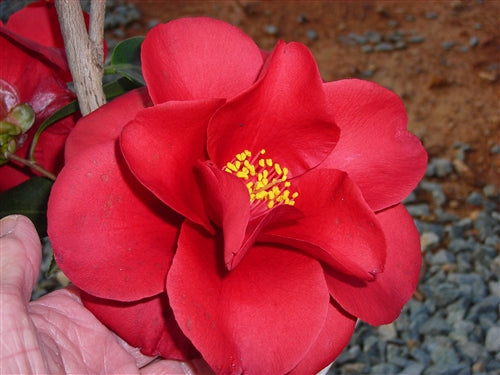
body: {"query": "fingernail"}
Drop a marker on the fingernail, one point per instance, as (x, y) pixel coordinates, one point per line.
(7, 225)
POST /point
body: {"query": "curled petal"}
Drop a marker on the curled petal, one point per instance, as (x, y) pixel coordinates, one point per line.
(147, 324)
(262, 317)
(274, 114)
(336, 225)
(198, 58)
(162, 146)
(375, 148)
(107, 230)
(228, 205)
(380, 301)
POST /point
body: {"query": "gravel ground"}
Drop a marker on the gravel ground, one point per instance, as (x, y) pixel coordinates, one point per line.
(451, 326)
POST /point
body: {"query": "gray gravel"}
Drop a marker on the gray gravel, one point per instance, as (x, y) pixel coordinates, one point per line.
(451, 326)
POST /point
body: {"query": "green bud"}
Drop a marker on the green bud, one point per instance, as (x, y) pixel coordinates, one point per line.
(23, 116)
(17, 122)
(6, 147)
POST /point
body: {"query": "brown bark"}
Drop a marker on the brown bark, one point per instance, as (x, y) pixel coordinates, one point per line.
(84, 51)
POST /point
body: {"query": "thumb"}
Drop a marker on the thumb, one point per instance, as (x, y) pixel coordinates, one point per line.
(20, 256)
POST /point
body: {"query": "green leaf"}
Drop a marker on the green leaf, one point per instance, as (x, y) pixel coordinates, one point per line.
(128, 51)
(119, 87)
(28, 199)
(130, 71)
(61, 113)
(126, 59)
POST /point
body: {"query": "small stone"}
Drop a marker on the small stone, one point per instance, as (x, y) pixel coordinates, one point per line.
(384, 369)
(436, 190)
(494, 287)
(302, 18)
(442, 257)
(384, 47)
(359, 39)
(429, 241)
(439, 167)
(419, 210)
(445, 293)
(373, 36)
(448, 45)
(415, 39)
(152, 23)
(387, 332)
(412, 197)
(495, 150)
(475, 199)
(367, 48)
(473, 41)
(492, 342)
(485, 306)
(443, 356)
(430, 15)
(435, 326)
(392, 23)
(271, 29)
(400, 44)
(312, 34)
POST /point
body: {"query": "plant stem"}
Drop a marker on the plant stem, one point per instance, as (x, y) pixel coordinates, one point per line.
(84, 53)
(31, 164)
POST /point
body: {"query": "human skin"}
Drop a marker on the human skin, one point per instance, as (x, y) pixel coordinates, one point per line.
(56, 334)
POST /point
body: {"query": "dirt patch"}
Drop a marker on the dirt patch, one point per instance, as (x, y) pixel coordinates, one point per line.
(442, 58)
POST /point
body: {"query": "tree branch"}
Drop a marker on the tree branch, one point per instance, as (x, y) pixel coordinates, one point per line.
(84, 53)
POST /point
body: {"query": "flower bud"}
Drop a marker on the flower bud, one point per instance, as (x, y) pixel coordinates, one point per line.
(17, 122)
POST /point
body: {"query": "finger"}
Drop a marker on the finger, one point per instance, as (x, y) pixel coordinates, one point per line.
(20, 256)
(162, 366)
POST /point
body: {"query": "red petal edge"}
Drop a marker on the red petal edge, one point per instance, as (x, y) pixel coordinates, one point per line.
(262, 317)
(380, 301)
(375, 148)
(198, 58)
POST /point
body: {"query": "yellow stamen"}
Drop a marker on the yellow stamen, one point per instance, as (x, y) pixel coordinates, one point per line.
(267, 181)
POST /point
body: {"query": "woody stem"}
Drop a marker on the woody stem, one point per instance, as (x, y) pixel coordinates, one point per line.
(31, 164)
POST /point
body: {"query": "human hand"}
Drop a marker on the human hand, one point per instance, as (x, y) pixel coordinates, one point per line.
(56, 334)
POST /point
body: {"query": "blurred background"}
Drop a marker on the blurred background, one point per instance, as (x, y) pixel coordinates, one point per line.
(442, 58)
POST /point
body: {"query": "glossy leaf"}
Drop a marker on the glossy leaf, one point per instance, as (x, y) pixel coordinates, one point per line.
(126, 59)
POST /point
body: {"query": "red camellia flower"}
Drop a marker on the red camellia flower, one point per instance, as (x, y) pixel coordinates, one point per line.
(33, 72)
(240, 209)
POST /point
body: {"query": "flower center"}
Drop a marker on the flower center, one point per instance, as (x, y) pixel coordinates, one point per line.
(266, 181)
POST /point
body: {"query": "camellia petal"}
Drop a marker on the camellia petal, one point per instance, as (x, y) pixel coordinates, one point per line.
(198, 58)
(147, 324)
(34, 78)
(52, 57)
(375, 149)
(380, 301)
(117, 236)
(262, 317)
(337, 226)
(168, 140)
(276, 116)
(39, 22)
(105, 124)
(334, 337)
(228, 206)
